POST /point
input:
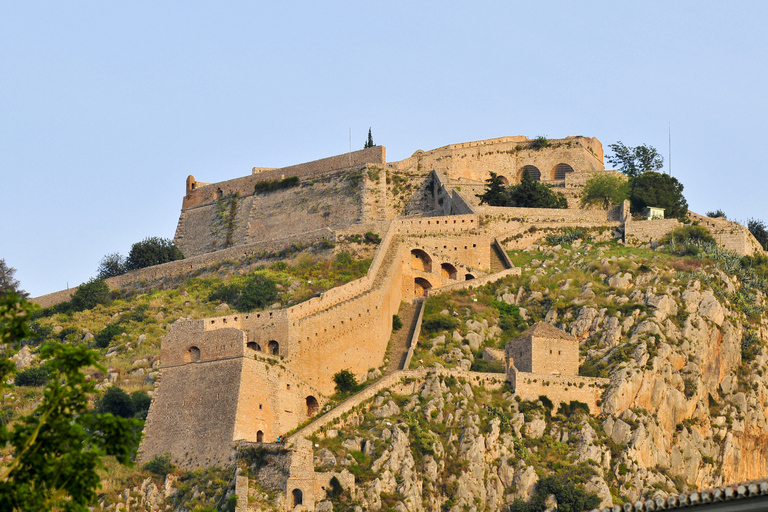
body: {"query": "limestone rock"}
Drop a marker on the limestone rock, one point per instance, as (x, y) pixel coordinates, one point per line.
(621, 281)
(385, 411)
(23, 358)
(324, 506)
(475, 340)
(711, 309)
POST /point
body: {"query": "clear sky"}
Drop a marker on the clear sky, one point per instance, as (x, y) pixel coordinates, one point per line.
(106, 107)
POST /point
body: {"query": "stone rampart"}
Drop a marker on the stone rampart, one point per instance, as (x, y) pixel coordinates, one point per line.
(477, 282)
(437, 225)
(561, 388)
(643, 231)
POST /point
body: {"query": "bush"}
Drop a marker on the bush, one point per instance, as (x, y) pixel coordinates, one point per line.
(141, 402)
(481, 365)
(111, 265)
(693, 234)
(750, 347)
(759, 230)
(264, 187)
(105, 336)
(540, 142)
(439, 322)
(572, 408)
(717, 213)
(566, 236)
(152, 251)
(160, 465)
(89, 295)
(37, 376)
(255, 292)
(372, 238)
(345, 381)
(397, 324)
(115, 401)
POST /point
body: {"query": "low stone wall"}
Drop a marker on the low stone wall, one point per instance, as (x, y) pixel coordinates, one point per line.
(474, 283)
(537, 215)
(561, 388)
(643, 231)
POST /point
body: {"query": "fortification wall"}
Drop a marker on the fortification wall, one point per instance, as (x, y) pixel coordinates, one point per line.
(728, 234)
(559, 389)
(198, 193)
(507, 156)
(476, 282)
(643, 231)
(453, 224)
(193, 414)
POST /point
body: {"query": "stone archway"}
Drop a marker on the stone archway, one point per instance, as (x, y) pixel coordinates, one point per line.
(560, 170)
(312, 406)
(449, 271)
(420, 260)
(468, 277)
(252, 345)
(193, 355)
(421, 287)
(273, 348)
(298, 497)
(259, 436)
(532, 170)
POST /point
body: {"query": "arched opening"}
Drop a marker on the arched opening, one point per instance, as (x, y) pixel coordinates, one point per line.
(298, 497)
(532, 170)
(274, 348)
(312, 406)
(193, 354)
(468, 277)
(254, 346)
(421, 287)
(504, 180)
(421, 261)
(448, 270)
(259, 436)
(560, 170)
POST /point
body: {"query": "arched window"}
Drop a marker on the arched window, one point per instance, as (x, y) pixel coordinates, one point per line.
(193, 354)
(420, 260)
(421, 287)
(560, 170)
(274, 347)
(312, 406)
(254, 346)
(448, 270)
(259, 436)
(297, 497)
(532, 170)
(468, 277)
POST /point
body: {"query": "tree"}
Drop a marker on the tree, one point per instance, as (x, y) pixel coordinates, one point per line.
(495, 192)
(532, 194)
(8, 283)
(117, 402)
(717, 214)
(759, 230)
(58, 448)
(345, 381)
(659, 190)
(369, 143)
(91, 294)
(635, 161)
(152, 251)
(604, 189)
(111, 265)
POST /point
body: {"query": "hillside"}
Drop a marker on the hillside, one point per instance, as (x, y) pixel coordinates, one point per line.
(681, 338)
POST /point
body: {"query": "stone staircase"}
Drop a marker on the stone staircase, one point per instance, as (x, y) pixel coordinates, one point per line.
(397, 350)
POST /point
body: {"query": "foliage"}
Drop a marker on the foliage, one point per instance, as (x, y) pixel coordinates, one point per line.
(759, 230)
(532, 194)
(495, 192)
(8, 283)
(688, 234)
(439, 322)
(566, 236)
(481, 365)
(570, 497)
(141, 402)
(345, 381)
(160, 465)
(255, 292)
(397, 323)
(89, 295)
(659, 190)
(58, 448)
(105, 336)
(604, 189)
(540, 142)
(369, 143)
(750, 347)
(152, 251)
(717, 214)
(265, 187)
(572, 408)
(635, 161)
(510, 320)
(371, 238)
(111, 265)
(36, 376)
(116, 402)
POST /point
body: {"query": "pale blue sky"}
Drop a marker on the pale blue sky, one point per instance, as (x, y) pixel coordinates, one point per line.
(106, 107)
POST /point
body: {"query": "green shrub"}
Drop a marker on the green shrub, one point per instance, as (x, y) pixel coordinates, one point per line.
(439, 322)
(141, 402)
(688, 235)
(372, 238)
(89, 295)
(115, 401)
(750, 347)
(481, 365)
(36, 376)
(103, 338)
(397, 324)
(345, 381)
(265, 187)
(572, 408)
(540, 142)
(152, 251)
(566, 236)
(160, 465)
(255, 292)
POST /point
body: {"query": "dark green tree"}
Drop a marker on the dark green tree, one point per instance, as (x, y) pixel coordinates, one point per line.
(495, 192)
(152, 251)
(91, 294)
(116, 402)
(369, 143)
(111, 265)
(604, 189)
(58, 448)
(345, 381)
(141, 402)
(759, 230)
(8, 283)
(635, 161)
(717, 214)
(532, 194)
(659, 190)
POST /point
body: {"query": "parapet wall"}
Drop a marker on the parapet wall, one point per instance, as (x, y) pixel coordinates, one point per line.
(561, 388)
